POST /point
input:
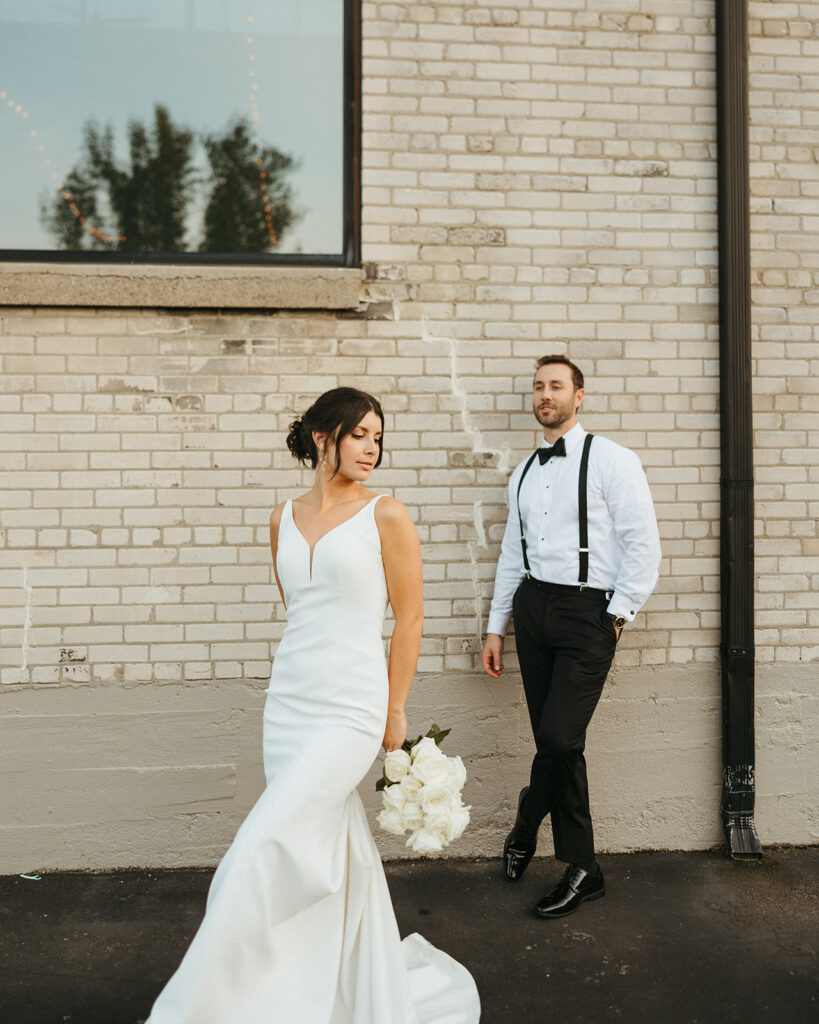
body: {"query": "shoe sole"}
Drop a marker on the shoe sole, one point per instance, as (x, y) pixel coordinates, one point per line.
(546, 915)
(514, 878)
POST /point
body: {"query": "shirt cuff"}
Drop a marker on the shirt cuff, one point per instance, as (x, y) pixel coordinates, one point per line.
(620, 605)
(498, 621)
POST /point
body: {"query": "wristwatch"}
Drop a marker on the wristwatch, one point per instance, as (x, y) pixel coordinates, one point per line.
(618, 620)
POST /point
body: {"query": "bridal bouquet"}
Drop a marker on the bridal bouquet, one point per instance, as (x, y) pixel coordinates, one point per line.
(421, 789)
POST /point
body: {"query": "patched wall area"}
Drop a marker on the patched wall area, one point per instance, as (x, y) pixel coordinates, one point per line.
(536, 178)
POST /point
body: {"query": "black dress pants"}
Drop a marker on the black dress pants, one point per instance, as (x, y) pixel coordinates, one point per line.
(565, 642)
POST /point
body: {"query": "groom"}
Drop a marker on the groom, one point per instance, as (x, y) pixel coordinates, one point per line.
(579, 558)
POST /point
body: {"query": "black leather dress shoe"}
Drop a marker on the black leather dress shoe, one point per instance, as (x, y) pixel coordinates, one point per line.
(520, 845)
(574, 887)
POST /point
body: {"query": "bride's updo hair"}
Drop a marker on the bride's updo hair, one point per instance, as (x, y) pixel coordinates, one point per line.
(335, 414)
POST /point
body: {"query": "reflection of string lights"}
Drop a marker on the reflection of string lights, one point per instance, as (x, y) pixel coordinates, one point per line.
(65, 194)
(254, 114)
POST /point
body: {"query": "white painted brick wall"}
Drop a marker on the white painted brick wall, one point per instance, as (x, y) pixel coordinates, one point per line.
(536, 177)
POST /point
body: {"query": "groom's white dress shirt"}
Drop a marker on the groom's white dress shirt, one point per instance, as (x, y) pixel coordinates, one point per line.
(624, 543)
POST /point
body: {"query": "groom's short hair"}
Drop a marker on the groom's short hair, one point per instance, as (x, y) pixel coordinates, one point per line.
(577, 373)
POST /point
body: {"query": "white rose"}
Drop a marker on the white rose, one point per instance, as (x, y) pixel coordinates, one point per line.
(457, 770)
(411, 787)
(433, 771)
(393, 797)
(435, 830)
(450, 823)
(427, 750)
(423, 841)
(435, 798)
(392, 821)
(396, 764)
(412, 816)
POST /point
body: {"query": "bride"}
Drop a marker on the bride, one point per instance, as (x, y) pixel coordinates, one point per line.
(299, 927)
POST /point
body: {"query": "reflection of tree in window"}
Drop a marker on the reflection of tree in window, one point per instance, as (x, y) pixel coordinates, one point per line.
(235, 219)
(248, 204)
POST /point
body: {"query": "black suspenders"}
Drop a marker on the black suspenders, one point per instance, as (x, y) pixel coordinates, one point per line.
(532, 458)
(582, 513)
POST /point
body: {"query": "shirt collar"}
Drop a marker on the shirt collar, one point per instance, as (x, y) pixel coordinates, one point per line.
(571, 439)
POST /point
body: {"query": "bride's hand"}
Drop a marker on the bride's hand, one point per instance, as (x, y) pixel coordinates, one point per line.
(396, 731)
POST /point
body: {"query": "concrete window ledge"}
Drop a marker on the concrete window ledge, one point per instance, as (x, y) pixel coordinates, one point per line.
(178, 286)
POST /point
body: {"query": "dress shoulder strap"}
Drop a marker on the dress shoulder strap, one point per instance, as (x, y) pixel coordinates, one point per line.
(287, 514)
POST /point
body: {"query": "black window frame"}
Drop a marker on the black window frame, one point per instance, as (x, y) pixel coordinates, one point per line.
(351, 213)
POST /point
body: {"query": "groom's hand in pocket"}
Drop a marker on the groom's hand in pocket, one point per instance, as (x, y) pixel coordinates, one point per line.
(492, 655)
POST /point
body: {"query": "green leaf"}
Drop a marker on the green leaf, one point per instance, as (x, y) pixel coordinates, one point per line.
(438, 734)
(381, 784)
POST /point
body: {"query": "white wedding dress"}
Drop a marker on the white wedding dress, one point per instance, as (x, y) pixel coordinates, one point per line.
(299, 927)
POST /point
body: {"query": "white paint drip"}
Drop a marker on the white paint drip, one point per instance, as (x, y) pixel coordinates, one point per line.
(189, 336)
(480, 529)
(26, 624)
(473, 546)
(472, 431)
(475, 435)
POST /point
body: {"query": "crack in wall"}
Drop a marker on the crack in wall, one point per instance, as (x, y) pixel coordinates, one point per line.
(478, 446)
(27, 587)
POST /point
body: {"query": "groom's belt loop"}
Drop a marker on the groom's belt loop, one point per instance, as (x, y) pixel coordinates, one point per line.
(570, 588)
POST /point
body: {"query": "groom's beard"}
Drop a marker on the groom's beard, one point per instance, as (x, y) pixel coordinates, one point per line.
(556, 415)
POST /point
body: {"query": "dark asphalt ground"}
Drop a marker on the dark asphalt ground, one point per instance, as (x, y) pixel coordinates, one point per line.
(681, 938)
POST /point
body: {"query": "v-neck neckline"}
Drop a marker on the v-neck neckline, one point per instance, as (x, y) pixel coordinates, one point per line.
(311, 548)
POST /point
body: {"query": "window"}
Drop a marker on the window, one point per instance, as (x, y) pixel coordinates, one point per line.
(215, 131)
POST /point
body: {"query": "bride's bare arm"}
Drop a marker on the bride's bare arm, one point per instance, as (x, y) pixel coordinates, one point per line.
(401, 552)
(275, 519)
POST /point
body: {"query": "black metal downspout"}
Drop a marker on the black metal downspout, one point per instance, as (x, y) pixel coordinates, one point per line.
(736, 434)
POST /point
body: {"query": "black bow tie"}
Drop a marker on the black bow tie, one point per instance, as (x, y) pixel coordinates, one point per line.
(558, 448)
